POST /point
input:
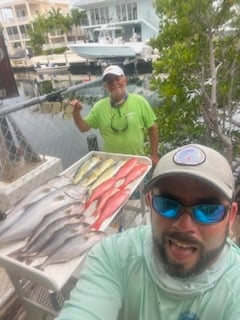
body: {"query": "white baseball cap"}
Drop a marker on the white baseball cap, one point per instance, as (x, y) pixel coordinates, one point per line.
(197, 161)
(114, 69)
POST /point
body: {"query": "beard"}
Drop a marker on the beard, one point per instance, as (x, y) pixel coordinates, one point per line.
(178, 270)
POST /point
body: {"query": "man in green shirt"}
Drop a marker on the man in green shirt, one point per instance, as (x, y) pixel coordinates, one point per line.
(184, 266)
(121, 118)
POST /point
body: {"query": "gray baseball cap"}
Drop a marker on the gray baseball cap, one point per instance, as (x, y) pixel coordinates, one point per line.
(197, 161)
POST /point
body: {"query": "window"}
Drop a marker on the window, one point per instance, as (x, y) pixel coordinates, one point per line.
(99, 15)
(126, 12)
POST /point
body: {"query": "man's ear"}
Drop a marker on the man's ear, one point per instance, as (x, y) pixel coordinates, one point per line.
(233, 213)
(148, 198)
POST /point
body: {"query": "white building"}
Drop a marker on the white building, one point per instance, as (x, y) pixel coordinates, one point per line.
(15, 18)
(134, 18)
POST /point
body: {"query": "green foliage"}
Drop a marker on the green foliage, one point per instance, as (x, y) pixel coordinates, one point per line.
(197, 73)
(37, 33)
(53, 21)
(55, 51)
(77, 16)
(45, 87)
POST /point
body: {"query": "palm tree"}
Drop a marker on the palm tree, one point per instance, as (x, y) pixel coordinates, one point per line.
(78, 18)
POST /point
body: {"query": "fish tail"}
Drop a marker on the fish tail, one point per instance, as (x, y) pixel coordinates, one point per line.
(97, 224)
(122, 187)
(40, 266)
(15, 253)
(28, 260)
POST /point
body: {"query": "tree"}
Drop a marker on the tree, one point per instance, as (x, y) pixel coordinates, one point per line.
(197, 73)
(58, 22)
(54, 21)
(78, 17)
(37, 33)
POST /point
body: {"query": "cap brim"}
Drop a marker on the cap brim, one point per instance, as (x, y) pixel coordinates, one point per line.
(227, 191)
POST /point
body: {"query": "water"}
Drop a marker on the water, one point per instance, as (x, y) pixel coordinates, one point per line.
(47, 132)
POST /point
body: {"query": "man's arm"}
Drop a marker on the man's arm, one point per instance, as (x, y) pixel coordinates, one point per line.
(97, 294)
(153, 137)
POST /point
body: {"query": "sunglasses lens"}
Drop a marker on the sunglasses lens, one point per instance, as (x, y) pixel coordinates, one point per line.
(203, 213)
(167, 208)
(208, 213)
(119, 123)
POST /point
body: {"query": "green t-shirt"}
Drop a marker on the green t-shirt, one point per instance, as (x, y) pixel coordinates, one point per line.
(122, 280)
(136, 114)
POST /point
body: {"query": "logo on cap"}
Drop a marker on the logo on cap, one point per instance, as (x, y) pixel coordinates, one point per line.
(189, 156)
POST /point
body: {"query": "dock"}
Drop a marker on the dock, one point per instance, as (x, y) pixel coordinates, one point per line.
(77, 64)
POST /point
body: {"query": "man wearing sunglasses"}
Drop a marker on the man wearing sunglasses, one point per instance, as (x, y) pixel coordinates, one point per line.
(121, 118)
(185, 266)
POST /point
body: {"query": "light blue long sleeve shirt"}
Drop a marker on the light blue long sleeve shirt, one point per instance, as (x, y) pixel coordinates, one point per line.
(123, 280)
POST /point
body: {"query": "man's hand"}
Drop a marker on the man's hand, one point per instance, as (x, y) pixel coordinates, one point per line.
(77, 105)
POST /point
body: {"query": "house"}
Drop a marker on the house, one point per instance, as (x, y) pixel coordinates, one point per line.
(131, 20)
(16, 16)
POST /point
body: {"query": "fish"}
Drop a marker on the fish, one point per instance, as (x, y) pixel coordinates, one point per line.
(35, 195)
(35, 245)
(73, 247)
(126, 168)
(68, 210)
(108, 173)
(76, 192)
(100, 190)
(33, 215)
(88, 212)
(84, 168)
(61, 235)
(103, 200)
(14, 214)
(98, 170)
(111, 206)
(133, 175)
(60, 181)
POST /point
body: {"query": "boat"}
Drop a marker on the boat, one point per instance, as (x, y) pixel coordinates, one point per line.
(109, 47)
(51, 68)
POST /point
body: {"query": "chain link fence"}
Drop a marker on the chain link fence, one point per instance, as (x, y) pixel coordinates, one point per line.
(39, 138)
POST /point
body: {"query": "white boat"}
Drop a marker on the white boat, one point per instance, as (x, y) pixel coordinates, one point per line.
(108, 47)
(51, 68)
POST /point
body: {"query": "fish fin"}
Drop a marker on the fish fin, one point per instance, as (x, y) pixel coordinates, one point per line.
(15, 253)
(39, 266)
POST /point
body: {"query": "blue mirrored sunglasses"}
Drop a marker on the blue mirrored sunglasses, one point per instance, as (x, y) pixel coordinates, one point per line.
(201, 213)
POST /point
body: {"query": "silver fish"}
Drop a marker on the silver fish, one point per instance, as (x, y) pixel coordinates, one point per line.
(60, 181)
(39, 193)
(68, 210)
(34, 214)
(34, 245)
(16, 212)
(73, 247)
(60, 236)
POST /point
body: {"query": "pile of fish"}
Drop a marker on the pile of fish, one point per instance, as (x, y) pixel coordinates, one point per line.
(61, 219)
